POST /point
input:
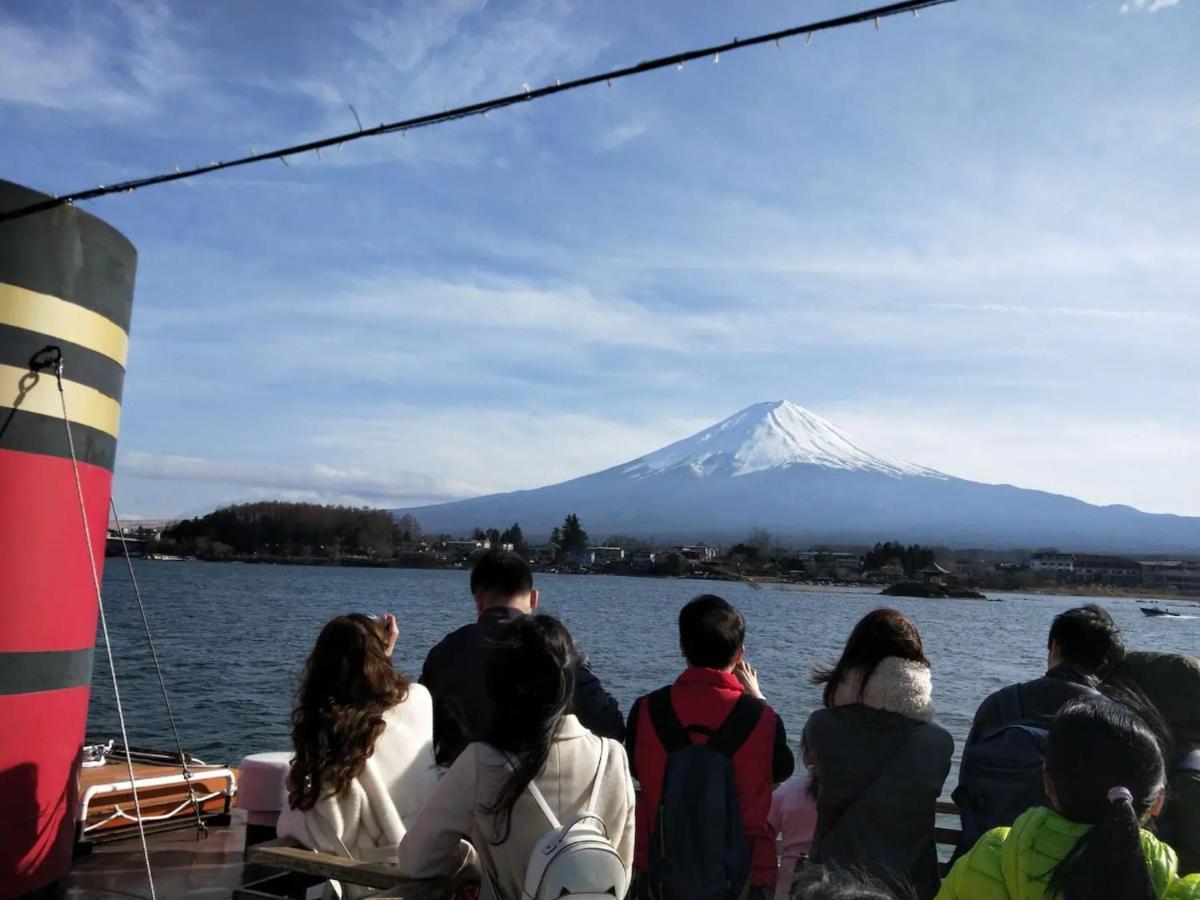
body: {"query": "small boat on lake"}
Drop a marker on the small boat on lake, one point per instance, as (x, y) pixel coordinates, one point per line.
(1155, 612)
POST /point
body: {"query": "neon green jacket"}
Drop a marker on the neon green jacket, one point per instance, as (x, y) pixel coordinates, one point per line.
(1187, 889)
(1014, 863)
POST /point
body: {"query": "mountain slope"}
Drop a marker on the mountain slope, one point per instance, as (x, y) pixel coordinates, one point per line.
(780, 467)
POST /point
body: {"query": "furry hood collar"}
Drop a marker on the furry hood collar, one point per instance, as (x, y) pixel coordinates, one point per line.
(897, 685)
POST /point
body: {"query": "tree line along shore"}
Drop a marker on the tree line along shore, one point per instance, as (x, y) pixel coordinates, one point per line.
(312, 534)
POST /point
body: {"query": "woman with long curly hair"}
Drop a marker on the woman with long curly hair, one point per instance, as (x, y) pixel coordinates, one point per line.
(536, 748)
(363, 739)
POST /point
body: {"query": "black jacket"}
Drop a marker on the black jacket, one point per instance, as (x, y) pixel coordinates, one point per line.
(1040, 699)
(879, 776)
(462, 710)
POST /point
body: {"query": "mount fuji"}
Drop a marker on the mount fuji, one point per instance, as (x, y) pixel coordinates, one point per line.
(780, 467)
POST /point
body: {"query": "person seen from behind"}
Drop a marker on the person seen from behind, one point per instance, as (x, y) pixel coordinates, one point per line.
(707, 751)
(1171, 683)
(502, 585)
(1104, 778)
(363, 738)
(537, 761)
(794, 817)
(1001, 772)
(878, 757)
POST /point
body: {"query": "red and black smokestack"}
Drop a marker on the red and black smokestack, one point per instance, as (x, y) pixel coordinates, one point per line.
(66, 281)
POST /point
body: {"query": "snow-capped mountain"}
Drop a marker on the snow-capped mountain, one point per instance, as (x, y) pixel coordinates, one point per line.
(780, 467)
(768, 436)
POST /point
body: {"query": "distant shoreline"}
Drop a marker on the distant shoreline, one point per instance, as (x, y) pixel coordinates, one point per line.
(769, 583)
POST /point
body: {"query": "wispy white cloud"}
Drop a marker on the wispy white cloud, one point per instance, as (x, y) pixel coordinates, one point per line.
(1147, 5)
(329, 483)
(1121, 460)
(121, 64)
(622, 134)
(522, 446)
(1076, 312)
(414, 59)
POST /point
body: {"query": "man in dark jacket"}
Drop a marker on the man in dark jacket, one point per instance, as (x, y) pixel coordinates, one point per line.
(1001, 772)
(1171, 682)
(1084, 644)
(502, 584)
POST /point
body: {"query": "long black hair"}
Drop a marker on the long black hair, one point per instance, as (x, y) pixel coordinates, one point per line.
(1107, 772)
(531, 682)
(879, 634)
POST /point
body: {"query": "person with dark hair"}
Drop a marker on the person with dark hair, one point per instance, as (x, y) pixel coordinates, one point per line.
(1083, 645)
(830, 883)
(502, 585)
(878, 757)
(1170, 682)
(363, 738)
(537, 752)
(1104, 778)
(1001, 772)
(715, 704)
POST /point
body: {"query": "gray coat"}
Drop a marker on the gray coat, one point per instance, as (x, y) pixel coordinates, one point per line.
(879, 777)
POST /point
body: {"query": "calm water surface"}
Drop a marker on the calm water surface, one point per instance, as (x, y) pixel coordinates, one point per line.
(233, 638)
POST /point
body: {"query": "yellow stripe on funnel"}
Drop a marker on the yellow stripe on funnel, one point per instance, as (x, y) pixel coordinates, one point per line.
(56, 318)
(85, 405)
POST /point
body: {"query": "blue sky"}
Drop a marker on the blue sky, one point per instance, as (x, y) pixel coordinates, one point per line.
(969, 239)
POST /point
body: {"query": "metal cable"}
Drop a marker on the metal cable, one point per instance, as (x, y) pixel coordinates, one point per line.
(201, 828)
(482, 108)
(87, 535)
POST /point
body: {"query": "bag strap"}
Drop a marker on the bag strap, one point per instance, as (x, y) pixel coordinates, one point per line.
(1009, 700)
(595, 798)
(536, 795)
(670, 731)
(836, 819)
(738, 726)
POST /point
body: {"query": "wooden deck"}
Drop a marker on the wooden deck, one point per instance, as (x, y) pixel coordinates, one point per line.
(185, 868)
(220, 866)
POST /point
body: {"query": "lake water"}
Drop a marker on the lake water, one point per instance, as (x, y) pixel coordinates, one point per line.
(233, 639)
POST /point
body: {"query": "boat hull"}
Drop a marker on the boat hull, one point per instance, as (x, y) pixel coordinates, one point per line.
(66, 281)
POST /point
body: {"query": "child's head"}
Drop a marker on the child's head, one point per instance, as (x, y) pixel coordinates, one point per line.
(1096, 745)
(1103, 768)
(830, 883)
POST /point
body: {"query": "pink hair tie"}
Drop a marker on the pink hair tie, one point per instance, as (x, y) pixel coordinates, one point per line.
(1120, 793)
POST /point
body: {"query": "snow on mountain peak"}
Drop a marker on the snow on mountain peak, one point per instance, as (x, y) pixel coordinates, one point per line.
(765, 436)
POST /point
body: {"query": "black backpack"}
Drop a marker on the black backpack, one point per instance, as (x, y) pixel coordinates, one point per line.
(1001, 773)
(699, 849)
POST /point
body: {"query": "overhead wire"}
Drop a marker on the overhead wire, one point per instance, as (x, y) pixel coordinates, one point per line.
(480, 108)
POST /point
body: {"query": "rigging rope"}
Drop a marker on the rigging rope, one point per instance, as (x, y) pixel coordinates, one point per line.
(481, 108)
(201, 828)
(87, 535)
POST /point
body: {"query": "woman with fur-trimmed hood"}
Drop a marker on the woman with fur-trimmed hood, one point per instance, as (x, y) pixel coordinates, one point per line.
(879, 760)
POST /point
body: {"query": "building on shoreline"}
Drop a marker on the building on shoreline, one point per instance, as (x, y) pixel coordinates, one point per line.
(1172, 575)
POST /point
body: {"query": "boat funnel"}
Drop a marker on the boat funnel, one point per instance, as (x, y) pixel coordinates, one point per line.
(66, 287)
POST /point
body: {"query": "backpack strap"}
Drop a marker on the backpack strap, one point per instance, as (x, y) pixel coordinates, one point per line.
(1009, 700)
(595, 798)
(738, 726)
(667, 726)
(537, 798)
